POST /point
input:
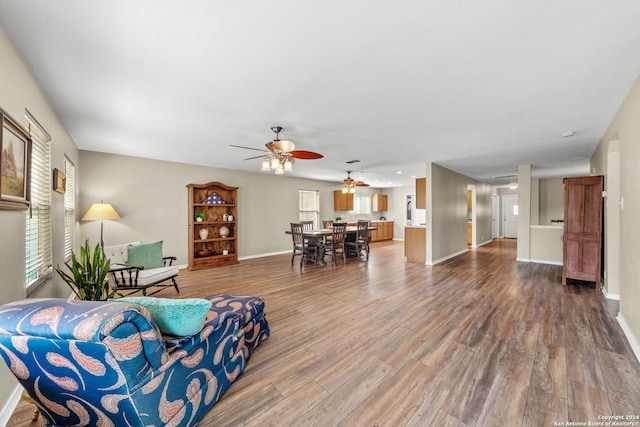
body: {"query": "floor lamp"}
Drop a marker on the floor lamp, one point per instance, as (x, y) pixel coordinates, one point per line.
(100, 212)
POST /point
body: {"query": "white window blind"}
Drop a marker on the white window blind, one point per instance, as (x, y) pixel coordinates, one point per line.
(69, 209)
(309, 209)
(38, 230)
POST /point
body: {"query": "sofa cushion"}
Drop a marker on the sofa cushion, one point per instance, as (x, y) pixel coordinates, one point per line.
(148, 255)
(178, 317)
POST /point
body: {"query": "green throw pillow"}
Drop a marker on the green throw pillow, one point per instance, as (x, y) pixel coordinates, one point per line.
(148, 255)
(179, 317)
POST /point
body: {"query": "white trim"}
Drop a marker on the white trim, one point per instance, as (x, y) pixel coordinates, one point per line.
(615, 297)
(523, 259)
(486, 242)
(543, 261)
(627, 332)
(264, 255)
(11, 405)
(438, 261)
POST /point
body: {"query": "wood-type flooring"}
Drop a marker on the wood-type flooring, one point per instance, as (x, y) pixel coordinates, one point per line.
(478, 340)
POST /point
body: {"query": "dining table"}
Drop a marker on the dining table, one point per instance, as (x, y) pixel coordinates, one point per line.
(317, 235)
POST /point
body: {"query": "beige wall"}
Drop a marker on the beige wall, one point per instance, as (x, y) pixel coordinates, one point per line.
(625, 130)
(447, 212)
(551, 200)
(151, 198)
(19, 91)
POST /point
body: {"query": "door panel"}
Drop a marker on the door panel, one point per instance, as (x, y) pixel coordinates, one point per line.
(510, 216)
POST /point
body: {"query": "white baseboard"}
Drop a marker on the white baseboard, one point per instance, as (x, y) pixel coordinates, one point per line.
(10, 405)
(544, 261)
(627, 332)
(438, 261)
(264, 255)
(615, 297)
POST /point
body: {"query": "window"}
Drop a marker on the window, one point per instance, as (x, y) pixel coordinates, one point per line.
(69, 209)
(310, 206)
(38, 230)
(361, 204)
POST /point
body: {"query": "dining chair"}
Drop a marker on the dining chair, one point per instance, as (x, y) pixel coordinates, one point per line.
(327, 223)
(362, 240)
(300, 244)
(307, 225)
(336, 245)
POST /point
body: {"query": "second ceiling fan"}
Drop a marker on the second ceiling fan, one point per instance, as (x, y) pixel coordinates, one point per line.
(350, 184)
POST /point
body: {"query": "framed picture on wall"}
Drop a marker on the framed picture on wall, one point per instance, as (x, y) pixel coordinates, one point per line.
(15, 163)
(59, 181)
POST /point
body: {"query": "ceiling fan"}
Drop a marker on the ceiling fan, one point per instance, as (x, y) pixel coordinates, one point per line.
(280, 154)
(350, 184)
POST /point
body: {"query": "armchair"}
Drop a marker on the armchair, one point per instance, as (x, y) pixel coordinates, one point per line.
(136, 277)
(89, 363)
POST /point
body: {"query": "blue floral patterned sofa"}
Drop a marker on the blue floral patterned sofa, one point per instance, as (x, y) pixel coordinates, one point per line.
(91, 363)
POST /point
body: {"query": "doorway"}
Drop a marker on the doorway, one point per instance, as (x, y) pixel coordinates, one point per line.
(494, 216)
(510, 216)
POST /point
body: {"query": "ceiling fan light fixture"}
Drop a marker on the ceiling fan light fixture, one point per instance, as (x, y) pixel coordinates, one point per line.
(266, 164)
(284, 145)
(275, 163)
(513, 185)
(288, 165)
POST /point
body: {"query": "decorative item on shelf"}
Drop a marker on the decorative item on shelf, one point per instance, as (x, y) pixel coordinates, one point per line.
(204, 233)
(214, 199)
(225, 217)
(199, 216)
(229, 217)
(206, 252)
(224, 231)
(225, 251)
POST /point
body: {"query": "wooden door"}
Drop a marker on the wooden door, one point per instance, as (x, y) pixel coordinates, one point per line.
(582, 247)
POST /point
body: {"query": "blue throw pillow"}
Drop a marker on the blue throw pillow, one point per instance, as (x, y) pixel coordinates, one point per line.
(148, 255)
(179, 317)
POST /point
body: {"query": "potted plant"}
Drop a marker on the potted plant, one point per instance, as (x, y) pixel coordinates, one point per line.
(338, 219)
(225, 250)
(199, 216)
(88, 275)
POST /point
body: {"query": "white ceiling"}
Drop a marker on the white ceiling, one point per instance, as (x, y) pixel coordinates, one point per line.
(478, 87)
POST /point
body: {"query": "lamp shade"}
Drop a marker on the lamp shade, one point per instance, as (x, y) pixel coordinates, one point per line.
(100, 211)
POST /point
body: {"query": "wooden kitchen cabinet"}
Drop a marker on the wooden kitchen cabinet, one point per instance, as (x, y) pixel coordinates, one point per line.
(469, 200)
(415, 244)
(379, 203)
(342, 201)
(421, 193)
(383, 231)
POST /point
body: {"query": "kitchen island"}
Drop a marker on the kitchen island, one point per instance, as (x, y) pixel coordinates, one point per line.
(415, 243)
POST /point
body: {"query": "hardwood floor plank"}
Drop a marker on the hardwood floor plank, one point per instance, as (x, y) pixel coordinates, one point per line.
(478, 340)
(547, 395)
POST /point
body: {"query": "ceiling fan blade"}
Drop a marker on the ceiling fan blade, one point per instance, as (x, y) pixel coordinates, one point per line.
(247, 148)
(305, 155)
(255, 157)
(361, 184)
